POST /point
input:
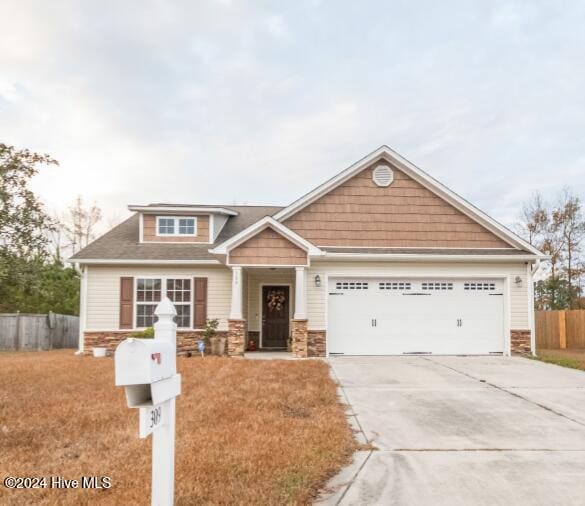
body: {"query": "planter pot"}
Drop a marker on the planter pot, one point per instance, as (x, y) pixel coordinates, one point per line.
(99, 352)
(218, 345)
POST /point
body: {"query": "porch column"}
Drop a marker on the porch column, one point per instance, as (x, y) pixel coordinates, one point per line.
(299, 332)
(237, 287)
(300, 294)
(236, 322)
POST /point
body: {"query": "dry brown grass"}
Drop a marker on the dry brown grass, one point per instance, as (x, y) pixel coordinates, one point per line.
(248, 432)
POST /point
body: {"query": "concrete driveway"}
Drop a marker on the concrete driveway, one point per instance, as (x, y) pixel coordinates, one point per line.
(463, 431)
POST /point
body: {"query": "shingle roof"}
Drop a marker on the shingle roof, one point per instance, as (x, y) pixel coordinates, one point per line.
(122, 242)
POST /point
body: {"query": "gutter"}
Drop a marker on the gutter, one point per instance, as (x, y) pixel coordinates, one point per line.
(130, 261)
(426, 256)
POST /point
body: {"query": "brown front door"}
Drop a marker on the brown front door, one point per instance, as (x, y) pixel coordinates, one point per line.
(275, 316)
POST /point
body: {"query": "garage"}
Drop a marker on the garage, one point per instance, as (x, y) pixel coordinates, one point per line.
(390, 316)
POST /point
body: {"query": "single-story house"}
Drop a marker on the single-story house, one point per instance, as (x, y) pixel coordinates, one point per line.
(381, 259)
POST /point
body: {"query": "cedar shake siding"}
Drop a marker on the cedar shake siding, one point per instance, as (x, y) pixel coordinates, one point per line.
(149, 230)
(404, 214)
(268, 247)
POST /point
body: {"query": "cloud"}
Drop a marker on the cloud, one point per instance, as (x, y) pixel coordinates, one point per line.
(221, 101)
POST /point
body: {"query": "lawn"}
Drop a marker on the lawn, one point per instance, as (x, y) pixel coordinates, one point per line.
(574, 359)
(248, 431)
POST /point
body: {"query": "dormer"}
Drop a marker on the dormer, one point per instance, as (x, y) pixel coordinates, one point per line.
(181, 223)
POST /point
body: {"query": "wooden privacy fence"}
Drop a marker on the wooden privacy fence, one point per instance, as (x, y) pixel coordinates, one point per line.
(23, 332)
(560, 329)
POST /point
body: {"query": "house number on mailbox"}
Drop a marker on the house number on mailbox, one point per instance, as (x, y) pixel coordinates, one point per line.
(155, 417)
(151, 418)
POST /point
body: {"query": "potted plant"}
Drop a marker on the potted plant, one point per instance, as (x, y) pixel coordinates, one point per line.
(217, 344)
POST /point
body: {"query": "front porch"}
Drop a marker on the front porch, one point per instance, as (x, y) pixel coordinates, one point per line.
(268, 310)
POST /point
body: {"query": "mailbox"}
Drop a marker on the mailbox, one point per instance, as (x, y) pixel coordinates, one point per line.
(147, 370)
(144, 361)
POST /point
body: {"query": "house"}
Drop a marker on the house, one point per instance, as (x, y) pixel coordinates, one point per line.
(382, 259)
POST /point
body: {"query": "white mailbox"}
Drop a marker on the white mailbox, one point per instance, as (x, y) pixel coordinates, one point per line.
(147, 369)
(144, 361)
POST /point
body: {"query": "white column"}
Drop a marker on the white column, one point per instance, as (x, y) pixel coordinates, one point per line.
(300, 294)
(237, 288)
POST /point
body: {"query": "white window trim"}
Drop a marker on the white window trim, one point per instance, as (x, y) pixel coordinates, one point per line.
(163, 293)
(177, 218)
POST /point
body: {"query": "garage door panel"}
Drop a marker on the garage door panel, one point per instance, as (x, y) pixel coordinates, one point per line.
(396, 316)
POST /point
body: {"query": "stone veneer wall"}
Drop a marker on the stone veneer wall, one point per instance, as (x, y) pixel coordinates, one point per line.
(299, 335)
(186, 341)
(316, 343)
(520, 342)
(236, 338)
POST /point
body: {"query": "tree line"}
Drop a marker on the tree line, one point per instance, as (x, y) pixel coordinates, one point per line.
(34, 277)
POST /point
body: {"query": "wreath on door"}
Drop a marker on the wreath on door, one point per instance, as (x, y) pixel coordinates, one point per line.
(275, 300)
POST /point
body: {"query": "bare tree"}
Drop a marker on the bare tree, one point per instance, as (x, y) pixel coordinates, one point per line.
(558, 231)
(571, 219)
(78, 226)
(534, 219)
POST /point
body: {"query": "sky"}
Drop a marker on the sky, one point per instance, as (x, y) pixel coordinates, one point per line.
(227, 101)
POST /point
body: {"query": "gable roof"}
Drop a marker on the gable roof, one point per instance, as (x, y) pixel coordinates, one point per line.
(255, 228)
(384, 152)
(122, 244)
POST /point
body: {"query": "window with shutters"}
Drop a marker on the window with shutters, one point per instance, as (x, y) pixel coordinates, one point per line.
(150, 291)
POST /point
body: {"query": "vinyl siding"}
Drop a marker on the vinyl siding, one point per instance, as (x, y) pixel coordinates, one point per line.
(317, 296)
(103, 287)
(103, 291)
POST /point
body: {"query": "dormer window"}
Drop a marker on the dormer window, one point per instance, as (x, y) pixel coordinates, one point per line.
(171, 225)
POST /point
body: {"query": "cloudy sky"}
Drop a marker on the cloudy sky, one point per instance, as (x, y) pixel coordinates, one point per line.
(258, 102)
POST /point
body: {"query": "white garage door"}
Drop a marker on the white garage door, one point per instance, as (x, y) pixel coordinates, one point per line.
(398, 316)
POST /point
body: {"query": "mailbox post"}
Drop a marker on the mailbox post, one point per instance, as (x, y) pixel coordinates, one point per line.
(147, 369)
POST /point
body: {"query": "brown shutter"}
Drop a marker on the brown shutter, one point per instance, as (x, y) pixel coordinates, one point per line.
(199, 302)
(126, 303)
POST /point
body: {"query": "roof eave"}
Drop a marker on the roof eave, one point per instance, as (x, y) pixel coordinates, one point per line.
(181, 210)
(139, 261)
(417, 257)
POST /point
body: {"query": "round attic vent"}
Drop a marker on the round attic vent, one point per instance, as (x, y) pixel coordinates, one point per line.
(383, 175)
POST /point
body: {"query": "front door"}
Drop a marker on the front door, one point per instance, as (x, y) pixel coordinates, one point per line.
(275, 316)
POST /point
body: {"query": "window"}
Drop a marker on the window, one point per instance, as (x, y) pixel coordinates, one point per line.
(351, 285)
(179, 291)
(187, 226)
(437, 286)
(166, 225)
(394, 285)
(479, 286)
(148, 295)
(149, 292)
